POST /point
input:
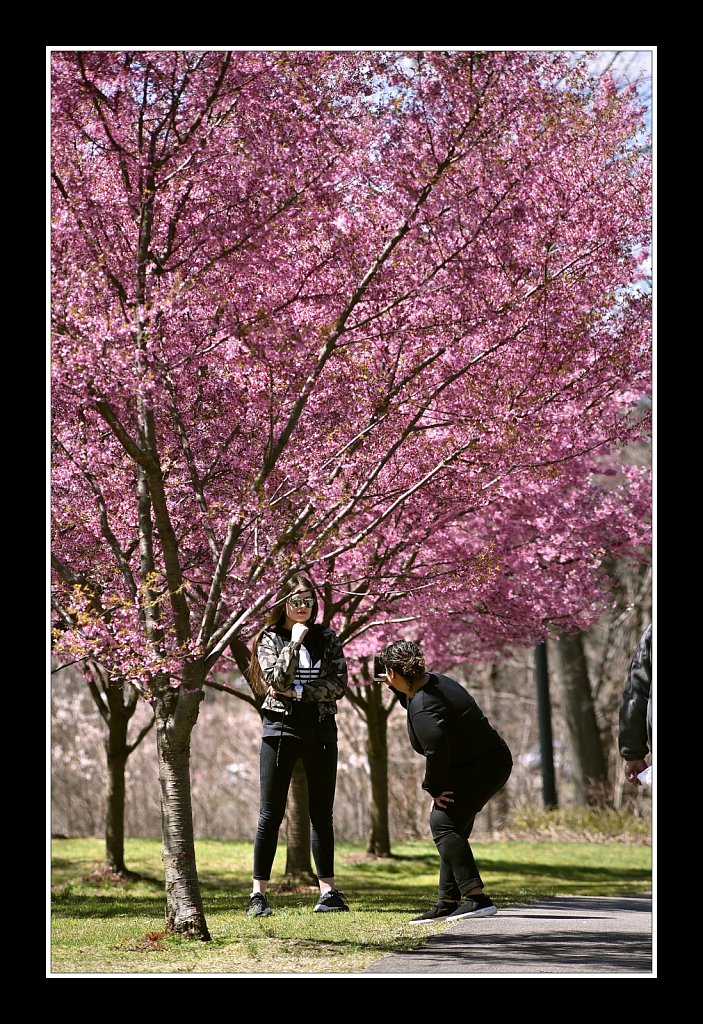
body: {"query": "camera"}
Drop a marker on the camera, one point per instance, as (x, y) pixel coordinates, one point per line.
(379, 668)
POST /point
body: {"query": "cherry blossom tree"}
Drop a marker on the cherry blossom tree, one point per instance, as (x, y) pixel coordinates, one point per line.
(532, 565)
(310, 308)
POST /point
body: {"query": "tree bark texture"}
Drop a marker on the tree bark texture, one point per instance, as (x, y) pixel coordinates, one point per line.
(122, 702)
(184, 906)
(116, 749)
(299, 869)
(590, 772)
(379, 841)
(498, 807)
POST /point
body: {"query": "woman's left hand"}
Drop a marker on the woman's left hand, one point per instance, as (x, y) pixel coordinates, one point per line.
(441, 801)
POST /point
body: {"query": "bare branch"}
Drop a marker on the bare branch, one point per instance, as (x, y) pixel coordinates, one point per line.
(380, 622)
(234, 529)
(69, 575)
(98, 698)
(248, 698)
(60, 668)
(144, 731)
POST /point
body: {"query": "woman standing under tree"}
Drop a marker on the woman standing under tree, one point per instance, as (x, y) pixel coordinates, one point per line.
(467, 764)
(299, 666)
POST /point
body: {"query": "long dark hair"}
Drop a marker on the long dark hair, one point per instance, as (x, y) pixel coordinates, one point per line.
(274, 620)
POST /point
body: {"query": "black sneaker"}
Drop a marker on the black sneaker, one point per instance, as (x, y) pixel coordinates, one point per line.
(332, 900)
(478, 905)
(258, 905)
(436, 912)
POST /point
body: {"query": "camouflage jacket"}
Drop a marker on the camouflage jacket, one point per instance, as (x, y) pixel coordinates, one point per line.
(278, 659)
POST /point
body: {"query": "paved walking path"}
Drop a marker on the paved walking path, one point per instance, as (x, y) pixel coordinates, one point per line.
(563, 935)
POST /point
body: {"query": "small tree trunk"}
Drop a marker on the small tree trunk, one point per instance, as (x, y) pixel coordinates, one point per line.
(116, 703)
(298, 864)
(176, 714)
(379, 842)
(590, 772)
(498, 808)
(117, 754)
(544, 719)
(116, 745)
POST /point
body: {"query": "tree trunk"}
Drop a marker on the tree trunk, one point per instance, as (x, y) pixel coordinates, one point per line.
(498, 808)
(379, 842)
(544, 719)
(116, 748)
(590, 772)
(176, 714)
(116, 703)
(298, 865)
(121, 702)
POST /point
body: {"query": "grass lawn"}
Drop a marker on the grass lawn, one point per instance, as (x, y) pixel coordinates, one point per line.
(101, 928)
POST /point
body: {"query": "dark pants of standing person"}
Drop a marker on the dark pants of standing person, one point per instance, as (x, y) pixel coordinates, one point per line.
(473, 786)
(320, 763)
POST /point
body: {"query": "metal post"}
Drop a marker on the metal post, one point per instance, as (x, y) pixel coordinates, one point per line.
(544, 714)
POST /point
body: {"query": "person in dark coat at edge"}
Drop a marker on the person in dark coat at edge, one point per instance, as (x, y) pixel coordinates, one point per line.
(635, 718)
(468, 762)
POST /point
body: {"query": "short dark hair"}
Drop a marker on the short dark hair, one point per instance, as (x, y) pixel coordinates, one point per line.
(405, 658)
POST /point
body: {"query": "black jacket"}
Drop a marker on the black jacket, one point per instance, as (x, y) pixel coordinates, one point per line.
(447, 726)
(635, 725)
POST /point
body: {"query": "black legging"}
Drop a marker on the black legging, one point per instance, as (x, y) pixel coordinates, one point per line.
(473, 785)
(320, 763)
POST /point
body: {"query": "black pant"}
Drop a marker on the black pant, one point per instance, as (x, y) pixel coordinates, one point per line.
(473, 785)
(320, 763)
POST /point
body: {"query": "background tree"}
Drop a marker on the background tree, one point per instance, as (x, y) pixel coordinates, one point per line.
(369, 699)
(581, 720)
(116, 704)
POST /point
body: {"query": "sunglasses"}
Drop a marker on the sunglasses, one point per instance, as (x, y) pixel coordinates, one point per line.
(301, 602)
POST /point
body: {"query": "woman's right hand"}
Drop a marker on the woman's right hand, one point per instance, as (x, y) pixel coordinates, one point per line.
(298, 632)
(279, 694)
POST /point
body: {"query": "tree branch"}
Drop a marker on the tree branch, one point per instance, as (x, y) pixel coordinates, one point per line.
(190, 462)
(98, 698)
(144, 731)
(234, 529)
(246, 697)
(136, 453)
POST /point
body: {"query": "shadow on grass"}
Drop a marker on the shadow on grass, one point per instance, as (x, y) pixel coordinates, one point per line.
(380, 885)
(393, 865)
(104, 905)
(72, 863)
(85, 906)
(231, 884)
(569, 872)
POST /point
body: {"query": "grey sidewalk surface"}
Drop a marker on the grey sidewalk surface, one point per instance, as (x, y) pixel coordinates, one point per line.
(575, 935)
